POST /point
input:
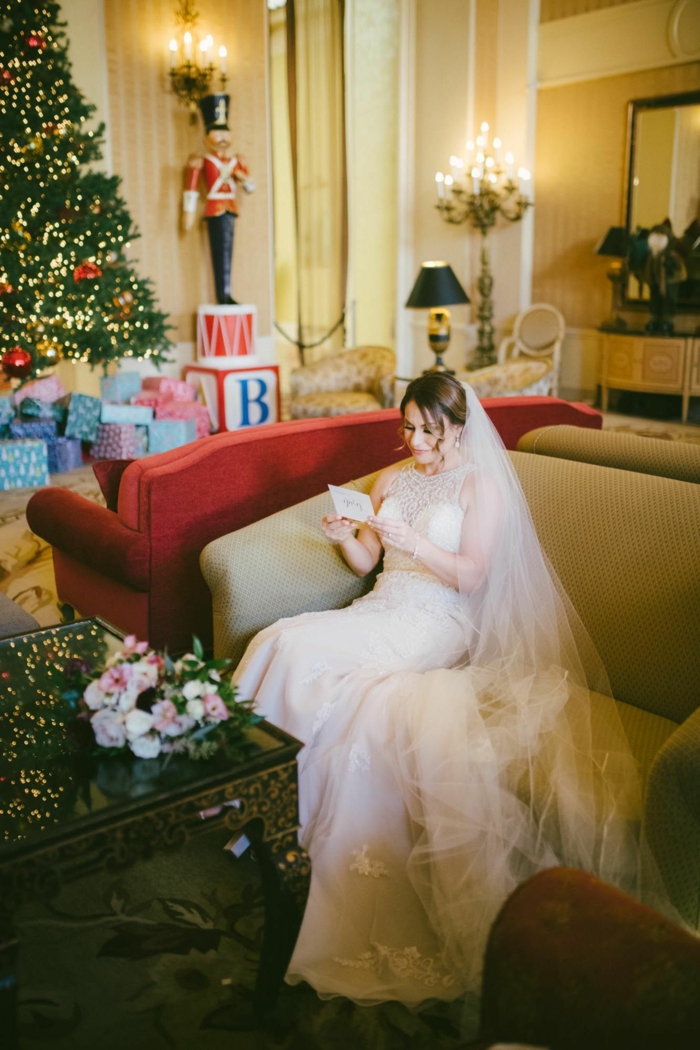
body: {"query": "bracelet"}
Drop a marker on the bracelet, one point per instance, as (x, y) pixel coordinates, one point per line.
(415, 549)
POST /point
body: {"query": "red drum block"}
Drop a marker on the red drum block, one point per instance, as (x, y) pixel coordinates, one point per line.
(226, 331)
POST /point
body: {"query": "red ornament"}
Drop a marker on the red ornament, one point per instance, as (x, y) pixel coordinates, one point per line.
(34, 40)
(7, 77)
(6, 288)
(86, 272)
(17, 363)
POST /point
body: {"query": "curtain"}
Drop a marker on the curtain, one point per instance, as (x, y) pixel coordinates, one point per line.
(316, 131)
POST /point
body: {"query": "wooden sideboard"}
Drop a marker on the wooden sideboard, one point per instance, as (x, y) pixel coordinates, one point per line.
(652, 364)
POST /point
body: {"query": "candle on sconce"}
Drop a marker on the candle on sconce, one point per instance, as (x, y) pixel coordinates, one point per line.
(497, 146)
(448, 185)
(222, 55)
(187, 40)
(439, 182)
(480, 141)
(470, 146)
(524, 177)
(510, 161)
(475, 178)
(485, 132)
(173, 52)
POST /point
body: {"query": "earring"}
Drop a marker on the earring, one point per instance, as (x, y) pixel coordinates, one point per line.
(457, 443)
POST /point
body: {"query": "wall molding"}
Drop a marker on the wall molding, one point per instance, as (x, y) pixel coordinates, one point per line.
(628, 38)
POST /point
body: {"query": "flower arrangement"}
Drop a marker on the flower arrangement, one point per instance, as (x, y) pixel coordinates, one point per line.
(145, 703)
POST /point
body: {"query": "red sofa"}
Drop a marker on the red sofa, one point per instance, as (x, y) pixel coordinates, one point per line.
(138, 567)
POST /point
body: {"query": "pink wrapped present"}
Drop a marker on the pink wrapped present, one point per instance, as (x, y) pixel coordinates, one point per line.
(177, 389)
(116, 441)
(150, 398)
(186, 410)
(48, 389)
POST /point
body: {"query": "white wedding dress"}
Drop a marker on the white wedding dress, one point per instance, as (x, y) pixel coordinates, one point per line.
(416, 782)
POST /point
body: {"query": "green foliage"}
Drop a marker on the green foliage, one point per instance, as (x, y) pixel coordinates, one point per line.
(56, 215)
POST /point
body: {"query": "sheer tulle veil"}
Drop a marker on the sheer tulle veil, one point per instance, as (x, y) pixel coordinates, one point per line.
(519, 760)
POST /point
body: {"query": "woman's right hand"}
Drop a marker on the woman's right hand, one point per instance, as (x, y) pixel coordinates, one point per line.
(337, 528)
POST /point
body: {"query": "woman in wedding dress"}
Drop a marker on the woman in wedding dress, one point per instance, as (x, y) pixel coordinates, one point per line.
(447, 721)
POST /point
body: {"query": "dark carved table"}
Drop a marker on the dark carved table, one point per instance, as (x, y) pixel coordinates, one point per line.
(64, 814)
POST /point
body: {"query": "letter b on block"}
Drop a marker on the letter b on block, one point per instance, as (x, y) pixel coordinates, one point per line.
(251, 398)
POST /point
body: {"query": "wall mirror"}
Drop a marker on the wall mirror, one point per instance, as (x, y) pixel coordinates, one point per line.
(663, 185)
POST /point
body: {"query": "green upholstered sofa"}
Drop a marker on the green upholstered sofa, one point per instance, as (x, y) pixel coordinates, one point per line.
(625, 546)
(608, 448)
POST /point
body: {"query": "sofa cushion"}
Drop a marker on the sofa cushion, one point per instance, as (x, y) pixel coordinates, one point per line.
(646, 455)
(509, 378)
(109, 475)
(332, 403)
(645, 732)
(14, 619)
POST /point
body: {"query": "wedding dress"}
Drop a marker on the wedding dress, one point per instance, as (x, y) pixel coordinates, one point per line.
(449, 748)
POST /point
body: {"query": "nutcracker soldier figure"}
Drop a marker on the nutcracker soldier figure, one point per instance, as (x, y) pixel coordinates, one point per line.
(222, 171)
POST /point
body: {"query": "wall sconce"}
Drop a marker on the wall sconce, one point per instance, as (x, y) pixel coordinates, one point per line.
(191, 65)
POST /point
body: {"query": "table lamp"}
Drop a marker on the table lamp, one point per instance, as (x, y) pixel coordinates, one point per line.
(614, 245)
(436, 287)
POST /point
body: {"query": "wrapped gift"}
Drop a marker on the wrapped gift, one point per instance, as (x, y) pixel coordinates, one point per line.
(121, 387)
(23, 464)
(64, 454)
(7, 411)
(48, 389)
(83, 419)
(31, 408)
(238, 397)
(194, 410)
(39, 429)
(150, 398)
(142, 441)
(226, 331)
(116, 441)
(164, 434)
(141, 415)
(177, 389)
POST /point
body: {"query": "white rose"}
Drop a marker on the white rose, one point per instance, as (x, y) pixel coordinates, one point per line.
(109, 729)
(145, 746)
(195, 709)
(95, 696)
(137, 723)
(215, 676)
(128, 697)
(191, 690)
(145, 675)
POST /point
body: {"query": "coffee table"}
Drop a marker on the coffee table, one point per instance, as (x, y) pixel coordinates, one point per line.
(65, 813)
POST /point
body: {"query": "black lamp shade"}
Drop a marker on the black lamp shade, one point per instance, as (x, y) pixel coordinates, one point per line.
(614, 243)
(436, 285)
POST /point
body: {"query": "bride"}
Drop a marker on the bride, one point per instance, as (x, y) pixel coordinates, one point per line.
(450, 751)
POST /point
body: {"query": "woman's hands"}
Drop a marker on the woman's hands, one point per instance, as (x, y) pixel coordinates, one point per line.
(393, 533)
(337, 528)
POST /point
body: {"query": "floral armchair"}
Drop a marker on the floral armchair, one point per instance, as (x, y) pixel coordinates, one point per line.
(359, 380)
(528, 360)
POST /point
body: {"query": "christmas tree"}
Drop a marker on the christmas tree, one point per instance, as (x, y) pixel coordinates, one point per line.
(66, 288)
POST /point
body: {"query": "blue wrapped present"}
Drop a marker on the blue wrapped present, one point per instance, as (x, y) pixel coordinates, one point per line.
(7, 411)
(120, 388)
(141, 441)
(40, 429)
(141, 415)
(83, 417)
(23, 464)
(164, 434)
(64, 454)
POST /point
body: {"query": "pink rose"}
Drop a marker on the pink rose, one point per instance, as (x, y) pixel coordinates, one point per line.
(165, 715)
(214, 707)
(116, 679)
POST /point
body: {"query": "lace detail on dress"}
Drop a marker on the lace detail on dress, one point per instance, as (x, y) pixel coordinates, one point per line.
(406, 963)
(359, 761)
(316, 671)
(364, 866)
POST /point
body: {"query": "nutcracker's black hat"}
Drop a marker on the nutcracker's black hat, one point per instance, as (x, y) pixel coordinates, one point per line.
(214, 109)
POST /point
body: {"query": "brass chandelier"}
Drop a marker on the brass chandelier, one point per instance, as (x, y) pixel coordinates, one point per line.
(191, 59)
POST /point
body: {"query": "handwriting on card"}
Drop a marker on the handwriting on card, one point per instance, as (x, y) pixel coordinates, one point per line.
(351, 504)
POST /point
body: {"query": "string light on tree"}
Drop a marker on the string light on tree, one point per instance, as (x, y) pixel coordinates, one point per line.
(64, 230)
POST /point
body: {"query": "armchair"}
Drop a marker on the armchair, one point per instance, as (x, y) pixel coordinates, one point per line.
(358, 380)
(528, 360)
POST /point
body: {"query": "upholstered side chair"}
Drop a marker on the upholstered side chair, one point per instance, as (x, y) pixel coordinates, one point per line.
(528, 360)
(358, 380)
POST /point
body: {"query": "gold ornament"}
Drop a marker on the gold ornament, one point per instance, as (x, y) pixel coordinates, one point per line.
(50, 349)
(125, 301)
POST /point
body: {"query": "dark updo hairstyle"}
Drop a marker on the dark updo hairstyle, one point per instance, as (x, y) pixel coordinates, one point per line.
(438, 397)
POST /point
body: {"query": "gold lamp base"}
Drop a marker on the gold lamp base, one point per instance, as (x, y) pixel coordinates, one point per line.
(439, 338)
